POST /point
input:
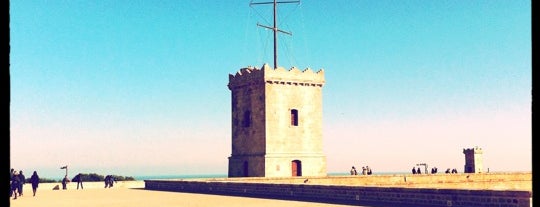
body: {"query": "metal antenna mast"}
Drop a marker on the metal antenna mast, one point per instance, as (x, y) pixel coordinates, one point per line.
(275, 29)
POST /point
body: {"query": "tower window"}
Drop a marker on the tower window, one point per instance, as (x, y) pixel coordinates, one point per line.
(246, 121)
(294, 117)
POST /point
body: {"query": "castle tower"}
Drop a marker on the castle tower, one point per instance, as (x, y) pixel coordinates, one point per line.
(276, 123)
(473, 160)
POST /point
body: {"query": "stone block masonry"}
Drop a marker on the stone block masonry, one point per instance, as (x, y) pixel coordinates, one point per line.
(276, 122)
(374, 195)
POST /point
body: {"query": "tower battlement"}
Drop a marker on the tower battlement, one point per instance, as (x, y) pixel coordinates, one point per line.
(473, 160)
(475, 150)
(266, 74)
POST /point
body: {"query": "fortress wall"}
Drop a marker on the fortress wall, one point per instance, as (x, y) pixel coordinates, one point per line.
(459, 180)
(306, 76)
(351, 195)
(492, 181)
(253, 75)
(86, 184)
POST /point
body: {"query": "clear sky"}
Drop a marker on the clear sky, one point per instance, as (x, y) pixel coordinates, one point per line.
(140, 87)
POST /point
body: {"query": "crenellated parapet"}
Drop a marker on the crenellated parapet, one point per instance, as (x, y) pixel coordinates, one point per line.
(475, 150)
(266, 74)
(246, 76)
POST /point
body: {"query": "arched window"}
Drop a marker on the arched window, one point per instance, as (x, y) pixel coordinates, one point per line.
(294, 117)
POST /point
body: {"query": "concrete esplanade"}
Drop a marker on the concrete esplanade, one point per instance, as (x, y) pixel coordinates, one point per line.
(462, 189)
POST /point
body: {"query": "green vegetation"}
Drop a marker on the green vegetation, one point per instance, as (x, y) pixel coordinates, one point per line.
(43, 180)
(91, 177)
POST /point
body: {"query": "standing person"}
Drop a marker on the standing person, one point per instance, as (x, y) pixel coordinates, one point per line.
(78, 178)
(15, 182)
(34, 179)
(353, 171)
(21, 182)
(418, 171)
(111, 180)
(107, 181)
(11, 172)
(413, 170)
(64, 182)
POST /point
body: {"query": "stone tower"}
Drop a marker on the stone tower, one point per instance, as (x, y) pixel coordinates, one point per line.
(276, 123)
(473, 160)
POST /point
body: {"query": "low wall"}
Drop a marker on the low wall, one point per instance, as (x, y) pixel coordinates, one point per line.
(88, 185)
(487, 181)
(288, 188)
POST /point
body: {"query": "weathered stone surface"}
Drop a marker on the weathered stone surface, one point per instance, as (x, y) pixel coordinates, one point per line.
(266, 142)
(492, 189)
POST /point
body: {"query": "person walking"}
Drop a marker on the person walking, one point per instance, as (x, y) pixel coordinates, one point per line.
(21, 182)
(11, 172)
(111, 181)
(106, 181)
(15, 182)
(34, 179)
(78, 179)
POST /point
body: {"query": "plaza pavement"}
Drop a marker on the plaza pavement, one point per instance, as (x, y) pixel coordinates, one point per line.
(133, 194)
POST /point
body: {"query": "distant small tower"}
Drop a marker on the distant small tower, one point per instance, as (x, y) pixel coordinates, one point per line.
(276, 123)
(473, 160)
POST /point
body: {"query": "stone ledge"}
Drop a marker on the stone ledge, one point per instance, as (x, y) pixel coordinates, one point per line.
(353, 194)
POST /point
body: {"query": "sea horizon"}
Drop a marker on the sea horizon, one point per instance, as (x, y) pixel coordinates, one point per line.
(142, 177)
(224, 175)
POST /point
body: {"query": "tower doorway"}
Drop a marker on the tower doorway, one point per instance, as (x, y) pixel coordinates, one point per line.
(296, 166)
(246, 167)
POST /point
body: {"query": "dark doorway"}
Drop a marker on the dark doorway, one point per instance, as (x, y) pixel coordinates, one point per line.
(296, 166)
(245, 169)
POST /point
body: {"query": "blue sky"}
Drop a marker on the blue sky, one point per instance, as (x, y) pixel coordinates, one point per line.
(140, 87)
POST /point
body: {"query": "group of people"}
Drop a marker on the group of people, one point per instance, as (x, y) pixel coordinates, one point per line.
(452, 171)
(416, 171)
(433, 170)
(17, 181)
(78, 178)
(365, 171)
(109, 180)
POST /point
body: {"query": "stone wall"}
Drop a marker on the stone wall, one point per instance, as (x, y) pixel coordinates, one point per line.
(276, 122)
(87, 185)
(493, 181)
(383, 194)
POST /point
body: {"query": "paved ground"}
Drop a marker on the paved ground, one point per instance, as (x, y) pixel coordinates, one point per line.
(132, 197)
